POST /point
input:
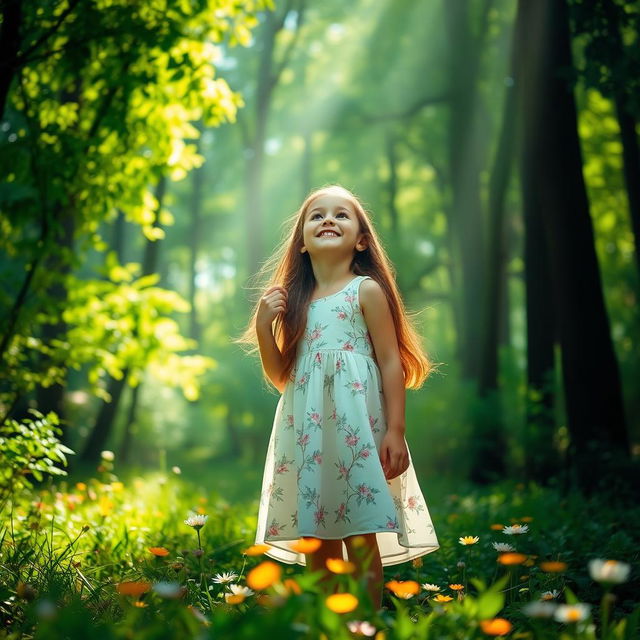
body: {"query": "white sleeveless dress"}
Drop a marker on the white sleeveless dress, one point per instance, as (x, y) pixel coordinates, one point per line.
(323, 476)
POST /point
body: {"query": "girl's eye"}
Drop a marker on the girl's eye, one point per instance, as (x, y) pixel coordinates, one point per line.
(342, 213)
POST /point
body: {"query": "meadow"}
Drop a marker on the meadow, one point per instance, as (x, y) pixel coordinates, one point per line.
(160, 555)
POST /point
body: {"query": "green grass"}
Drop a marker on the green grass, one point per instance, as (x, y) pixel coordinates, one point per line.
(66, 546)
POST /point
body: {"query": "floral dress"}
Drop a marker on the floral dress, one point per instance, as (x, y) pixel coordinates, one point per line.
(323, 476)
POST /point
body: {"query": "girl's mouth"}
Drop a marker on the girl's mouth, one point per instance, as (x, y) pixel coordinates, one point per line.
(329, 233)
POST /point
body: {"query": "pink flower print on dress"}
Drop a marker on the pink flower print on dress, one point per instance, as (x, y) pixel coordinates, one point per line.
(333, 415)
(347, 346)
(274, 528)
(315, 334)
(315, 417)
(364, 453)
(319, 515)
(303, 440)
(372, 423)
(318, 358)
(392, 524)
(343, 471)
(317, 457)
(349, 298)
(356, 387)
(290, 421)
(341, 512)
(351, 440)
(342, 315)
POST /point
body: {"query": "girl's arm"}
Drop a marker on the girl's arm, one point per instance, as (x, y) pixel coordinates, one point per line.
(377, 314)
(273, 302)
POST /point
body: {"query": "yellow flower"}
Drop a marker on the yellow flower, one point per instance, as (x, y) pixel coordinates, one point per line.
(256, 550)
(264, 575)
(440, 598)
(105, 506)
(403, 588)
(456, 587)
(496, 626)
(81, 486)
(338, 565)
(159, 551)
(468, 540)
(553, 566)
(341, 602)
(512, 558)
(306, 545)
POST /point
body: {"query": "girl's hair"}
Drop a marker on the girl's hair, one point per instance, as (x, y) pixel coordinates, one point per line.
(292, 270)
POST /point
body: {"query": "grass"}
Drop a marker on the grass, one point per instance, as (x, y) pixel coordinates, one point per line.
(115, 556)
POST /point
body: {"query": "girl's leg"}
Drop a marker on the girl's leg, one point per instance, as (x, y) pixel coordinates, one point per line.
(364, 553)
(317, 561)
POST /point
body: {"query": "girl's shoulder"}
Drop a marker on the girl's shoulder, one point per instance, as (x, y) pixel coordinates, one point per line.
(371, 293)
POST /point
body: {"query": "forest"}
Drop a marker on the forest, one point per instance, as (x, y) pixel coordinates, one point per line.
(152, 154)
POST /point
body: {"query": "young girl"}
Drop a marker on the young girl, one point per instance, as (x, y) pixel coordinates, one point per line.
(335, 340)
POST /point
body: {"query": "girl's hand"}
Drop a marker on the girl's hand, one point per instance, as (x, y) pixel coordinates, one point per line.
(273, 302)
(394, 455)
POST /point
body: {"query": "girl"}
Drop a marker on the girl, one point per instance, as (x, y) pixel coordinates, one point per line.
(335, 340)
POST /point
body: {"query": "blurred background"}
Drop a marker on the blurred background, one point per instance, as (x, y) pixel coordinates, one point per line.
(150, 152)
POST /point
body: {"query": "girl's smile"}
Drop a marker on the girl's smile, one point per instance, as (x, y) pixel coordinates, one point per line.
(331, 221)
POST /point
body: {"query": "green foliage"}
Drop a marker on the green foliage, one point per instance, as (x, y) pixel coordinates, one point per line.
(29, 449)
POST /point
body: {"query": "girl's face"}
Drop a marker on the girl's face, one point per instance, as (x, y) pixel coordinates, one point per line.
(331, 225)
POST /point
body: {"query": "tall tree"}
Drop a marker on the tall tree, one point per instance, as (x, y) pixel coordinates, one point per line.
(551, 148)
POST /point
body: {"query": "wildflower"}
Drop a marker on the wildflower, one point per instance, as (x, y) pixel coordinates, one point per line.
(196, 521)
(526, 519)
(553, 566)
(440, 598)
(159, 552)
(264, 575)
(109, 456)
(512, 558)
(238, 594)
(516, 529)
(361, 628)
(572, 612)
(497, 527)
(176, 470)
(496, 626)
(291, 586)
(337, 565)
(539, 609)
(170, 590)
(430, 587)
(198, 553)
(256, 550)
(465, 540)
(306, 545)
(225, 577)
(403, 588)
(549, 595)
(341, 602)
(133, 588)
(140, 604)
(503, 547)
(81, 486)
(416, 563)
(461, 564)
(456, 587)
(609, 571)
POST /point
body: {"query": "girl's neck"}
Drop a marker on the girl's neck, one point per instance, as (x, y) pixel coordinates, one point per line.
(328, 275)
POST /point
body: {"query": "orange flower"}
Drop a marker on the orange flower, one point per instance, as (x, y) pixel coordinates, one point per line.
(496, 626)
(456, 587)
(440, 598)
(140, 604)
(256, 550)
(403, 588)
(497, 527)
(526, 519)
(264, 575)
(234, 598)
(306, 545)
(159, 551)
(553, 566)
(133, 588)
(338, 565)
(511, 558)
(341, 602)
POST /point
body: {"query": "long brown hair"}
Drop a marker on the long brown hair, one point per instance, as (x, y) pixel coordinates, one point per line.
(292, 270)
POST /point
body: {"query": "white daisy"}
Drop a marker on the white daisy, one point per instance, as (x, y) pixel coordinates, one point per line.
(225, 577)
(572, 612)
(240, 590)
(430, 587)
(361, 628)
(609, 571)
(549, 595)
(516, 528)
(196, 521)
(503, 547)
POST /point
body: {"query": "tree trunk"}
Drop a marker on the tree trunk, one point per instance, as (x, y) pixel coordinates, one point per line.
(591, 379)
(9, 47)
